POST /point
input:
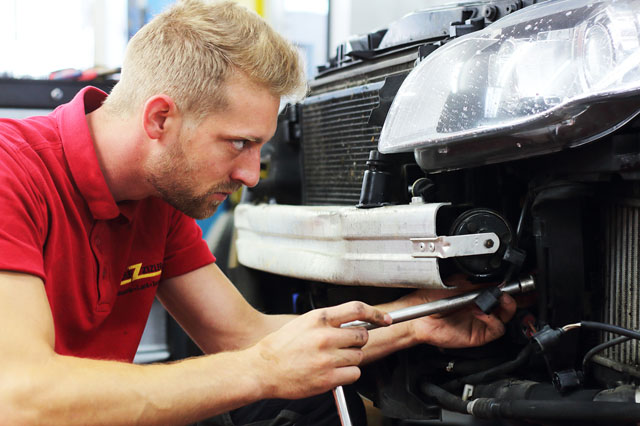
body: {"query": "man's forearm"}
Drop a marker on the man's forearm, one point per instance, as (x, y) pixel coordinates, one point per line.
(67, 390)
(243, 336)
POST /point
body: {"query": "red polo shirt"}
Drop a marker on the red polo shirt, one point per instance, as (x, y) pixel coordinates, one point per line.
(100, 261)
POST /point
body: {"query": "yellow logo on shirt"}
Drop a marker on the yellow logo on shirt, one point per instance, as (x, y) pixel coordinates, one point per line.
(147, 272)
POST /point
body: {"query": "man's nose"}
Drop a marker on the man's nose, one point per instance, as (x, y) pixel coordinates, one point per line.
(247, 167)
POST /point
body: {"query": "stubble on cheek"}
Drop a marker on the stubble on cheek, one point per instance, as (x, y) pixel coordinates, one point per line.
(177, 188)
(175, 179)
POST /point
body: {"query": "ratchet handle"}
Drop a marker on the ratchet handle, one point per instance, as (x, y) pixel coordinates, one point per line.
(523, 285)
(341, 405)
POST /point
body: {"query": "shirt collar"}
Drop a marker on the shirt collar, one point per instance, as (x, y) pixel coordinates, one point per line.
(81, 155)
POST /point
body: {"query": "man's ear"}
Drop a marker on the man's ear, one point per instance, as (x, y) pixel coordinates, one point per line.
(159, 115)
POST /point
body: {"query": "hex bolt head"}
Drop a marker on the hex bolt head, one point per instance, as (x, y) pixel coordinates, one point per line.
(488, 243)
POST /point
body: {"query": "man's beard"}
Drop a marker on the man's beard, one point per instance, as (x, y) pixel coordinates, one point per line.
(172, 178)
(195, 206)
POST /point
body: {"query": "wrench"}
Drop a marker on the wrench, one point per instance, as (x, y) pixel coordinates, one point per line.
(523, 285)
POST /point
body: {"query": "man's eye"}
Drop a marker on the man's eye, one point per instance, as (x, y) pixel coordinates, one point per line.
(239, 145)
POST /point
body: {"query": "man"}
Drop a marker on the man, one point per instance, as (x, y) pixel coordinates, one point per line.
(98, 200)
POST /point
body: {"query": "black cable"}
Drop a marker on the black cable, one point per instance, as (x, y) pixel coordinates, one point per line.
(611, 329)
(600, 347)
(625, 333)
(526, 352)
(492, 373)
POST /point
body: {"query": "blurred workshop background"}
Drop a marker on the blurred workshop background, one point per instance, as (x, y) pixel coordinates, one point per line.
(42, 36)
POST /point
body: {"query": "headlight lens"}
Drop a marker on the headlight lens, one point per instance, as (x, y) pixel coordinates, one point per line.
(537, 68)
(598, 54)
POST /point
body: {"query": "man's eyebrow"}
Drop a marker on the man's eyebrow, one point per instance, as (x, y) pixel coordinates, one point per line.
(255, 139)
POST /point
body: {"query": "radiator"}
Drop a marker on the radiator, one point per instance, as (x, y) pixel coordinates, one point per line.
(336, 141)
(621, 269)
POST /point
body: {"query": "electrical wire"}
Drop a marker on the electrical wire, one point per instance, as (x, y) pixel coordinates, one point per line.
(625, 334)
(593, 351)
(571, 326)
(593, 325)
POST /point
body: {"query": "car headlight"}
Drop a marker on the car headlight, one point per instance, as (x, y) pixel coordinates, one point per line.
(531, 83)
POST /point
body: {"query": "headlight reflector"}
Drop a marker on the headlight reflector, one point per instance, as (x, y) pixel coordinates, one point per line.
(538, 68)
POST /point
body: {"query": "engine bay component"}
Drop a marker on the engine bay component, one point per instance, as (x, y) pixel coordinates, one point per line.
(476, 221)
(375, 183)
(585, 410)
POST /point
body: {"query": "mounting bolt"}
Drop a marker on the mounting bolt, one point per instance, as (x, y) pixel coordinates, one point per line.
(488, 243)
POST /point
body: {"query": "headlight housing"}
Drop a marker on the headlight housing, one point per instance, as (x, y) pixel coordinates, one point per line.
(553, 75)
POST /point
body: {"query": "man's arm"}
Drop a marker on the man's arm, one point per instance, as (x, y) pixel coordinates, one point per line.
(200, 307)
(213, 312)
(38, 386)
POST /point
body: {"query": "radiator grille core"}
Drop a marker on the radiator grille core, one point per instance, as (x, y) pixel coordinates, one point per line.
(336, 141)
(622, 298)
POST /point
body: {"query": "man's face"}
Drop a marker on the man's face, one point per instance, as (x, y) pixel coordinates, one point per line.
(196, 172)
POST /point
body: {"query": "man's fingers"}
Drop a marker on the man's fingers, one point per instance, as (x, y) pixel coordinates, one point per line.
(507, 308)
(355, 337)
(346, 375)
(349, 357)
(354, 311)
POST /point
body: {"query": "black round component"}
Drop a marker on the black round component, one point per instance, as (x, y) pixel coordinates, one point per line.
(478, 221)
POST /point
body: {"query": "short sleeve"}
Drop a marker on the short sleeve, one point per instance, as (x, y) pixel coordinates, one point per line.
(185, 250)
(23, 214)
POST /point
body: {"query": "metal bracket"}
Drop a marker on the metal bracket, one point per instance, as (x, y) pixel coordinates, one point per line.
(455, 245)
(467, 392)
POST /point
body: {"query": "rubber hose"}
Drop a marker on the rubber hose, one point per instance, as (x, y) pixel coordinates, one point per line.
(492, 408)
(444, 398)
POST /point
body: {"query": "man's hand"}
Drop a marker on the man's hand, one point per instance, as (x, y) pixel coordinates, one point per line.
(312, 354)
(466, 327)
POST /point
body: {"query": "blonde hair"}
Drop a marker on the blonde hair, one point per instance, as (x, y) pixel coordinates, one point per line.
(188, 52)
